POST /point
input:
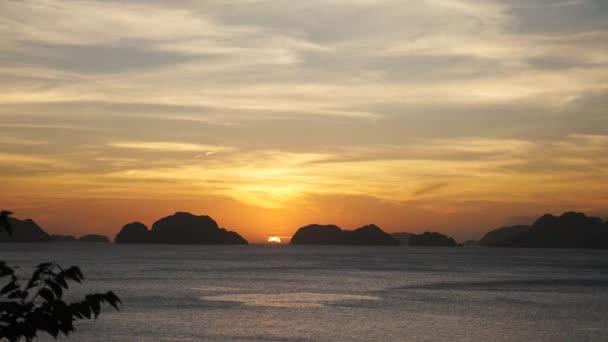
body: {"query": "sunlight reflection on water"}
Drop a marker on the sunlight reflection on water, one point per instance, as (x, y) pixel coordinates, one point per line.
(337, 293)
(293, 300)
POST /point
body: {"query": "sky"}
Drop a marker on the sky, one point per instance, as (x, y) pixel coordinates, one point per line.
(455, 116)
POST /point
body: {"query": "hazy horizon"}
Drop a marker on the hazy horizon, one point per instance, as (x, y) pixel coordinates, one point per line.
(447, 115)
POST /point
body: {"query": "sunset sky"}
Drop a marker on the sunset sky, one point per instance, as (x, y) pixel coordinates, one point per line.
(449, 115)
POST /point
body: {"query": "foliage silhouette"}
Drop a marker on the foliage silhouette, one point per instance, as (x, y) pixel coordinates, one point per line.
(15, 230)
(5, 223)
(38, 306)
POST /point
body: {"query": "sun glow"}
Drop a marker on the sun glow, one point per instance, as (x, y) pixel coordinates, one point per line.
(274, 239)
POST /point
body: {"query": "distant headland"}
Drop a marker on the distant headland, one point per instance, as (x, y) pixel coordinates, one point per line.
(24, 231)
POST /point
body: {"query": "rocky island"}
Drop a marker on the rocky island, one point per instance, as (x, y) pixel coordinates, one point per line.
(402, 237)
(570, 230)
(500, 236)
(333, 235)
(432, 239)
(179, 228)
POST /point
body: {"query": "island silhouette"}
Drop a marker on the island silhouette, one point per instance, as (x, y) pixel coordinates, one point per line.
(432, 239)
(426, 239)
(569, 230)
(84, 238)
(24, 231)
(402, 237)
(179, 228)
(502, 235)
(316, 234)
(94, 238)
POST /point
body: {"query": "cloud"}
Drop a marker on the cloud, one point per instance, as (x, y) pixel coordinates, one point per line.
(14, 140)
(168, 146)
(441, 103)
(124, 56)
(427, 189)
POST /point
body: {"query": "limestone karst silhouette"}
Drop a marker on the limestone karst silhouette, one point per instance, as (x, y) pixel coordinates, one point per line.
(432, 239)
(332, 235)
(179, 228)
(501, 235)
(22, 231)
(570, 230)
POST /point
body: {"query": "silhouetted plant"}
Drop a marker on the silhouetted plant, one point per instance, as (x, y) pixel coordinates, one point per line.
(5, 224)
(38, 306)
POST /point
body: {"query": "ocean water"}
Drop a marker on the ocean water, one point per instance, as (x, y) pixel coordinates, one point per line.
(335, 293)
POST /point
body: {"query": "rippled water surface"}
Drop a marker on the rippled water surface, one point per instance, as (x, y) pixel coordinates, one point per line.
(316, 293)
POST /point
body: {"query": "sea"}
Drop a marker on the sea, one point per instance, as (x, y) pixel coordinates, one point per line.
(333, 293)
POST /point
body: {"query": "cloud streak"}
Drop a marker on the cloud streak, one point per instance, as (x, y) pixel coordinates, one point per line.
(271, 104)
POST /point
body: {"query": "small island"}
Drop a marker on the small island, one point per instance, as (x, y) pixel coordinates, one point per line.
(94, 238)
(432, 239)
(135, 232)
(84, 238)
(316, 234)
(179, 228)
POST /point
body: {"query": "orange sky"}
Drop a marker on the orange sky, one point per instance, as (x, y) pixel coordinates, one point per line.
(449, 115)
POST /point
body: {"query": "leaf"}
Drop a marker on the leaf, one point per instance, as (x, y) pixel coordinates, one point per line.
(61, 280)
(112, 299)
(34, 280)
(52, 329)
(5, 270)
(47, 295)
(18, 295)
(10, 287)
(83, 309)
(74, 274)
(55, 287)
(5, 223)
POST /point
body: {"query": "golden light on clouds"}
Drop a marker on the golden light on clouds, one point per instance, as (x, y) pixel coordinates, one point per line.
(169, 147)
(445, 114)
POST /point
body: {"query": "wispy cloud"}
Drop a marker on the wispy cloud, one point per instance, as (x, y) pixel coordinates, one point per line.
(170, 147)
(441, 103)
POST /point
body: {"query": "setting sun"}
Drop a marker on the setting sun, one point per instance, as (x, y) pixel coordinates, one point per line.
(404, 155)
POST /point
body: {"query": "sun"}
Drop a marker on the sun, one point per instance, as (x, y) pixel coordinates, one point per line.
(274, 239)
